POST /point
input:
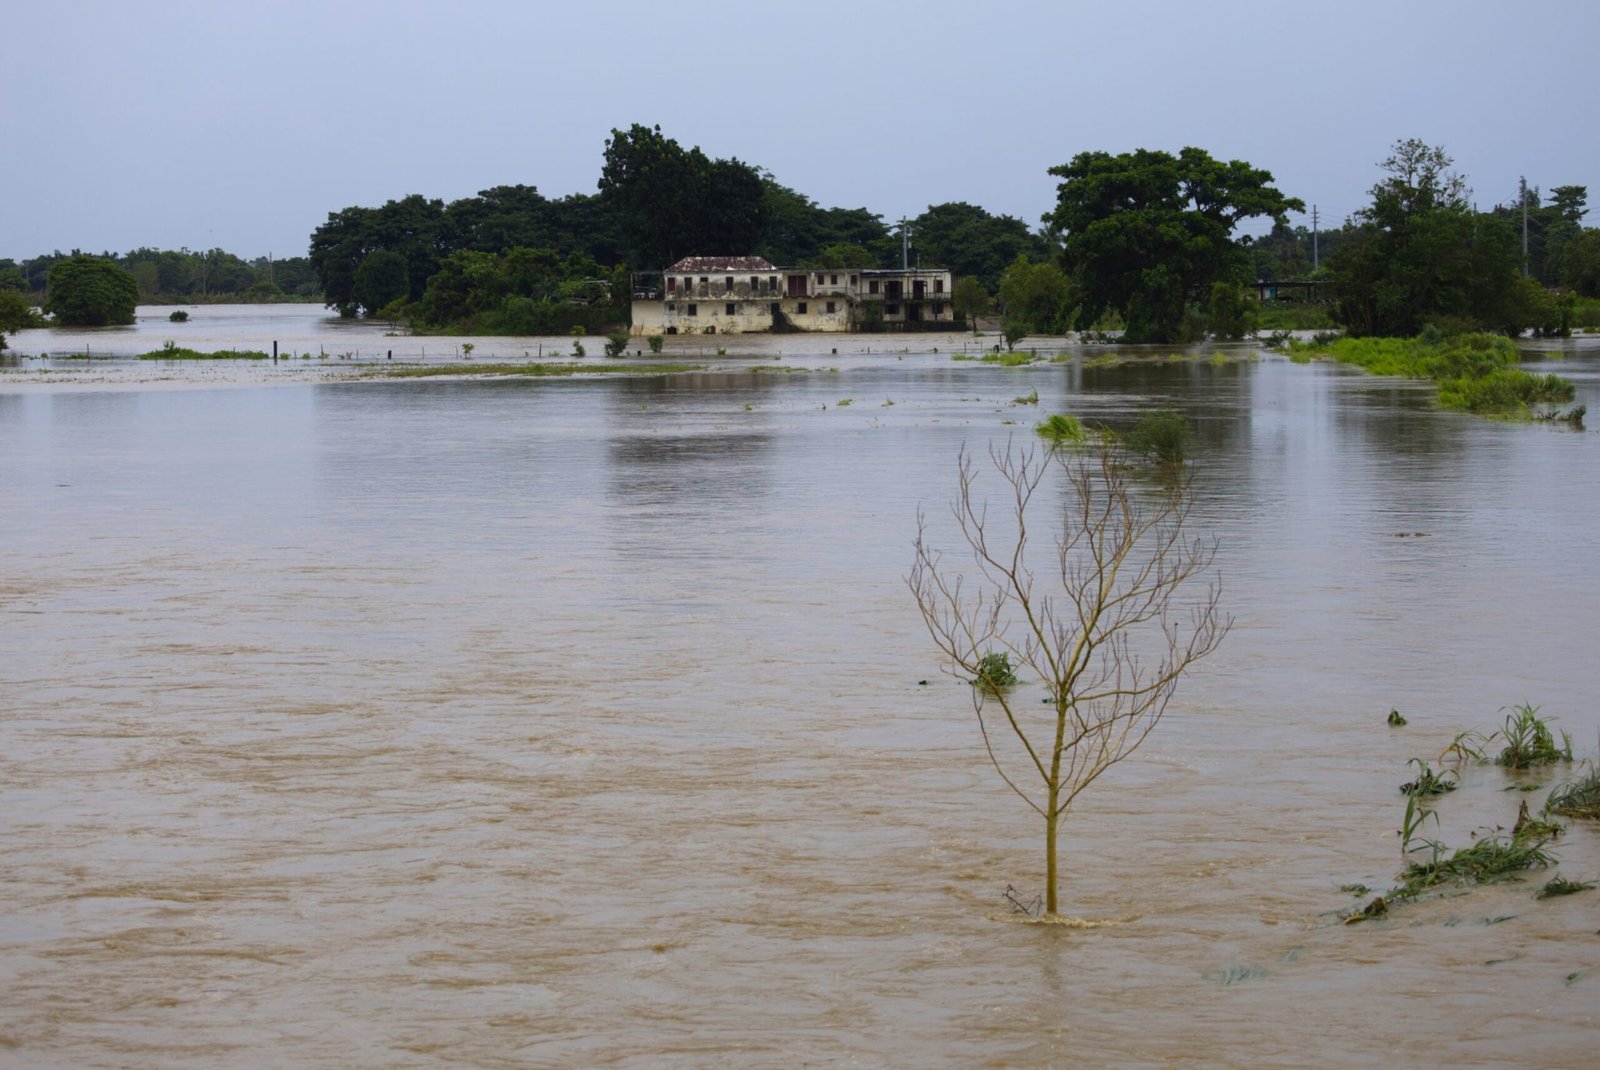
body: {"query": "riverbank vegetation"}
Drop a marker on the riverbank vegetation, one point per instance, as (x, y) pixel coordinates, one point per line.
(1474, 372)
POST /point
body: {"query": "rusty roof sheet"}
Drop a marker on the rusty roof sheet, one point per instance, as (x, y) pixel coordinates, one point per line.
(709, 264)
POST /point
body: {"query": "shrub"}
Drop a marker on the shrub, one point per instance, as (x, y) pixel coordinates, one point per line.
(995, 671)
(655, 341)
(179, 316)
(617, 344)
(1530, 742)
(1163, 435)
(1061, 430)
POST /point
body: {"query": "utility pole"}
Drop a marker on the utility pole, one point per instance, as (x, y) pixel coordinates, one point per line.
(1316, 255)
(1522, 190)
(905, 244)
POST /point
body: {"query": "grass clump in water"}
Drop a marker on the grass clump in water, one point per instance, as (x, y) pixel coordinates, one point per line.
(173, 351)
(1529, 740)
(995, 671)
(1428, 782)
(1475, 372)
(1489, 861)
(1558, 886)
(1577, 798)
(1062, 430)
(536, 370)
(1164, 435)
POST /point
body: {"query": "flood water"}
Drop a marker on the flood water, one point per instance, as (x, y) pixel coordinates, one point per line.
(580, 723)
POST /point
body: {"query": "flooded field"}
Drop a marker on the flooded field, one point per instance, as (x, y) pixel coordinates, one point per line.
(579, 722)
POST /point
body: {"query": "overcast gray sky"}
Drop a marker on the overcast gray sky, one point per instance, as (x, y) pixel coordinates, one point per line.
(242, 126)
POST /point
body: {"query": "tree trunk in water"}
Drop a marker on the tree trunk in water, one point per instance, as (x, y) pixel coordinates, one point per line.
(1050, 860)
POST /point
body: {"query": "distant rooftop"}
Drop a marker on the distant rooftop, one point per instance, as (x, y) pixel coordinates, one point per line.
(691, 264)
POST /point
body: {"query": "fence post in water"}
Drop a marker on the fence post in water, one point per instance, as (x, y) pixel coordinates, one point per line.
(274, 352)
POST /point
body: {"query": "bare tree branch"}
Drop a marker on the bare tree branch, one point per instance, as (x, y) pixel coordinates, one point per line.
(1108, 638)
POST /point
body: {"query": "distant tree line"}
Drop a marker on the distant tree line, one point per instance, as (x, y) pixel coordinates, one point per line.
(183, 276)
(511, 259)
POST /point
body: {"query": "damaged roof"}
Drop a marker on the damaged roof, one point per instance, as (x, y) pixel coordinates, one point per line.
(708, 264)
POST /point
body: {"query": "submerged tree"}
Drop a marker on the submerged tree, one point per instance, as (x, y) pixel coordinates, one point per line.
(1103, 627)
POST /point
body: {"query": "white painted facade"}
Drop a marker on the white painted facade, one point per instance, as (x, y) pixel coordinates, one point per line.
(746, 294)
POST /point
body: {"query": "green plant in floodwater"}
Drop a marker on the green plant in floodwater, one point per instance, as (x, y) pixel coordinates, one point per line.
(1467, 746)
(1489, 861)
(842, 402)
(1415, 815)
(1396, 719)
(1163, 435)
(180, 316)
(656, 342)
(1557, 886)
(1062, 430)
(1428, 782)
(1577, 798)
(995, 671)
(1529, 741)
(1030, 398)
(617, 344)
(577, 347)
(466, 350)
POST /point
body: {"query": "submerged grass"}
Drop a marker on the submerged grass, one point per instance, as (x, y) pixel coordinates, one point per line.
(1062, 430)
(995, 671)
(1557, 886)
(1475, 372)
(1577, 798)
(1529, 740)
(176, 352)
(1489, 861)
(536, 370)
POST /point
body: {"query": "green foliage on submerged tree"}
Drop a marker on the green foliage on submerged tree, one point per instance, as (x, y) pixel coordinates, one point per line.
(90, 291)
(16, 314)
(520, 292)
(1475, 372)
(1036, 296)
(1146, 232)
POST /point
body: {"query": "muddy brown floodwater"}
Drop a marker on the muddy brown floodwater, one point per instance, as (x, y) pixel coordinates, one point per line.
(579, 723)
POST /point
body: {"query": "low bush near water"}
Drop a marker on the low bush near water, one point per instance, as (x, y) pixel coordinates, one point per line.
(1475, 372)
(173, 351)
(1163, 435)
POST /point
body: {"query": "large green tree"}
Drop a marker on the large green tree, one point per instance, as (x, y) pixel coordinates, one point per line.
(16, 314)
(1035, 295)
(677, 202)
(90, 291)
(1147, 234)
(1419, 254)
(969, 241)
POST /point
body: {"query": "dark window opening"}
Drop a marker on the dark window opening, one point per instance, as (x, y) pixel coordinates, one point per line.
(727, 310)
(694, 310)
(802, 308)
(832, 307)
(888, 310)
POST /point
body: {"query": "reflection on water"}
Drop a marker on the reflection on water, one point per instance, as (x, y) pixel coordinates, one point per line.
(580, 723)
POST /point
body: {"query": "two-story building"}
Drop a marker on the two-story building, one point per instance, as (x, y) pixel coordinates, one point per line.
(744, 294)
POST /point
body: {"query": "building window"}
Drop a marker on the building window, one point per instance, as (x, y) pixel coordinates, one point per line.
(773, 282)
(872, 287)
(672, 306)
(704, 280)
(832, 307)
(694, 310)
(754, 282)
(727, 309)
(672, 284)
(801, 308)
(819, 278)
(888, 310)
(728, 283)
(833, 280)
(938, 286)
(855, 280)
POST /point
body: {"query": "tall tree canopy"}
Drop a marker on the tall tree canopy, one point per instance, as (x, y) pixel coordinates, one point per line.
(1147, 233)
(676, 202)
(90, 291)
(1419, 254)
(969, 241)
